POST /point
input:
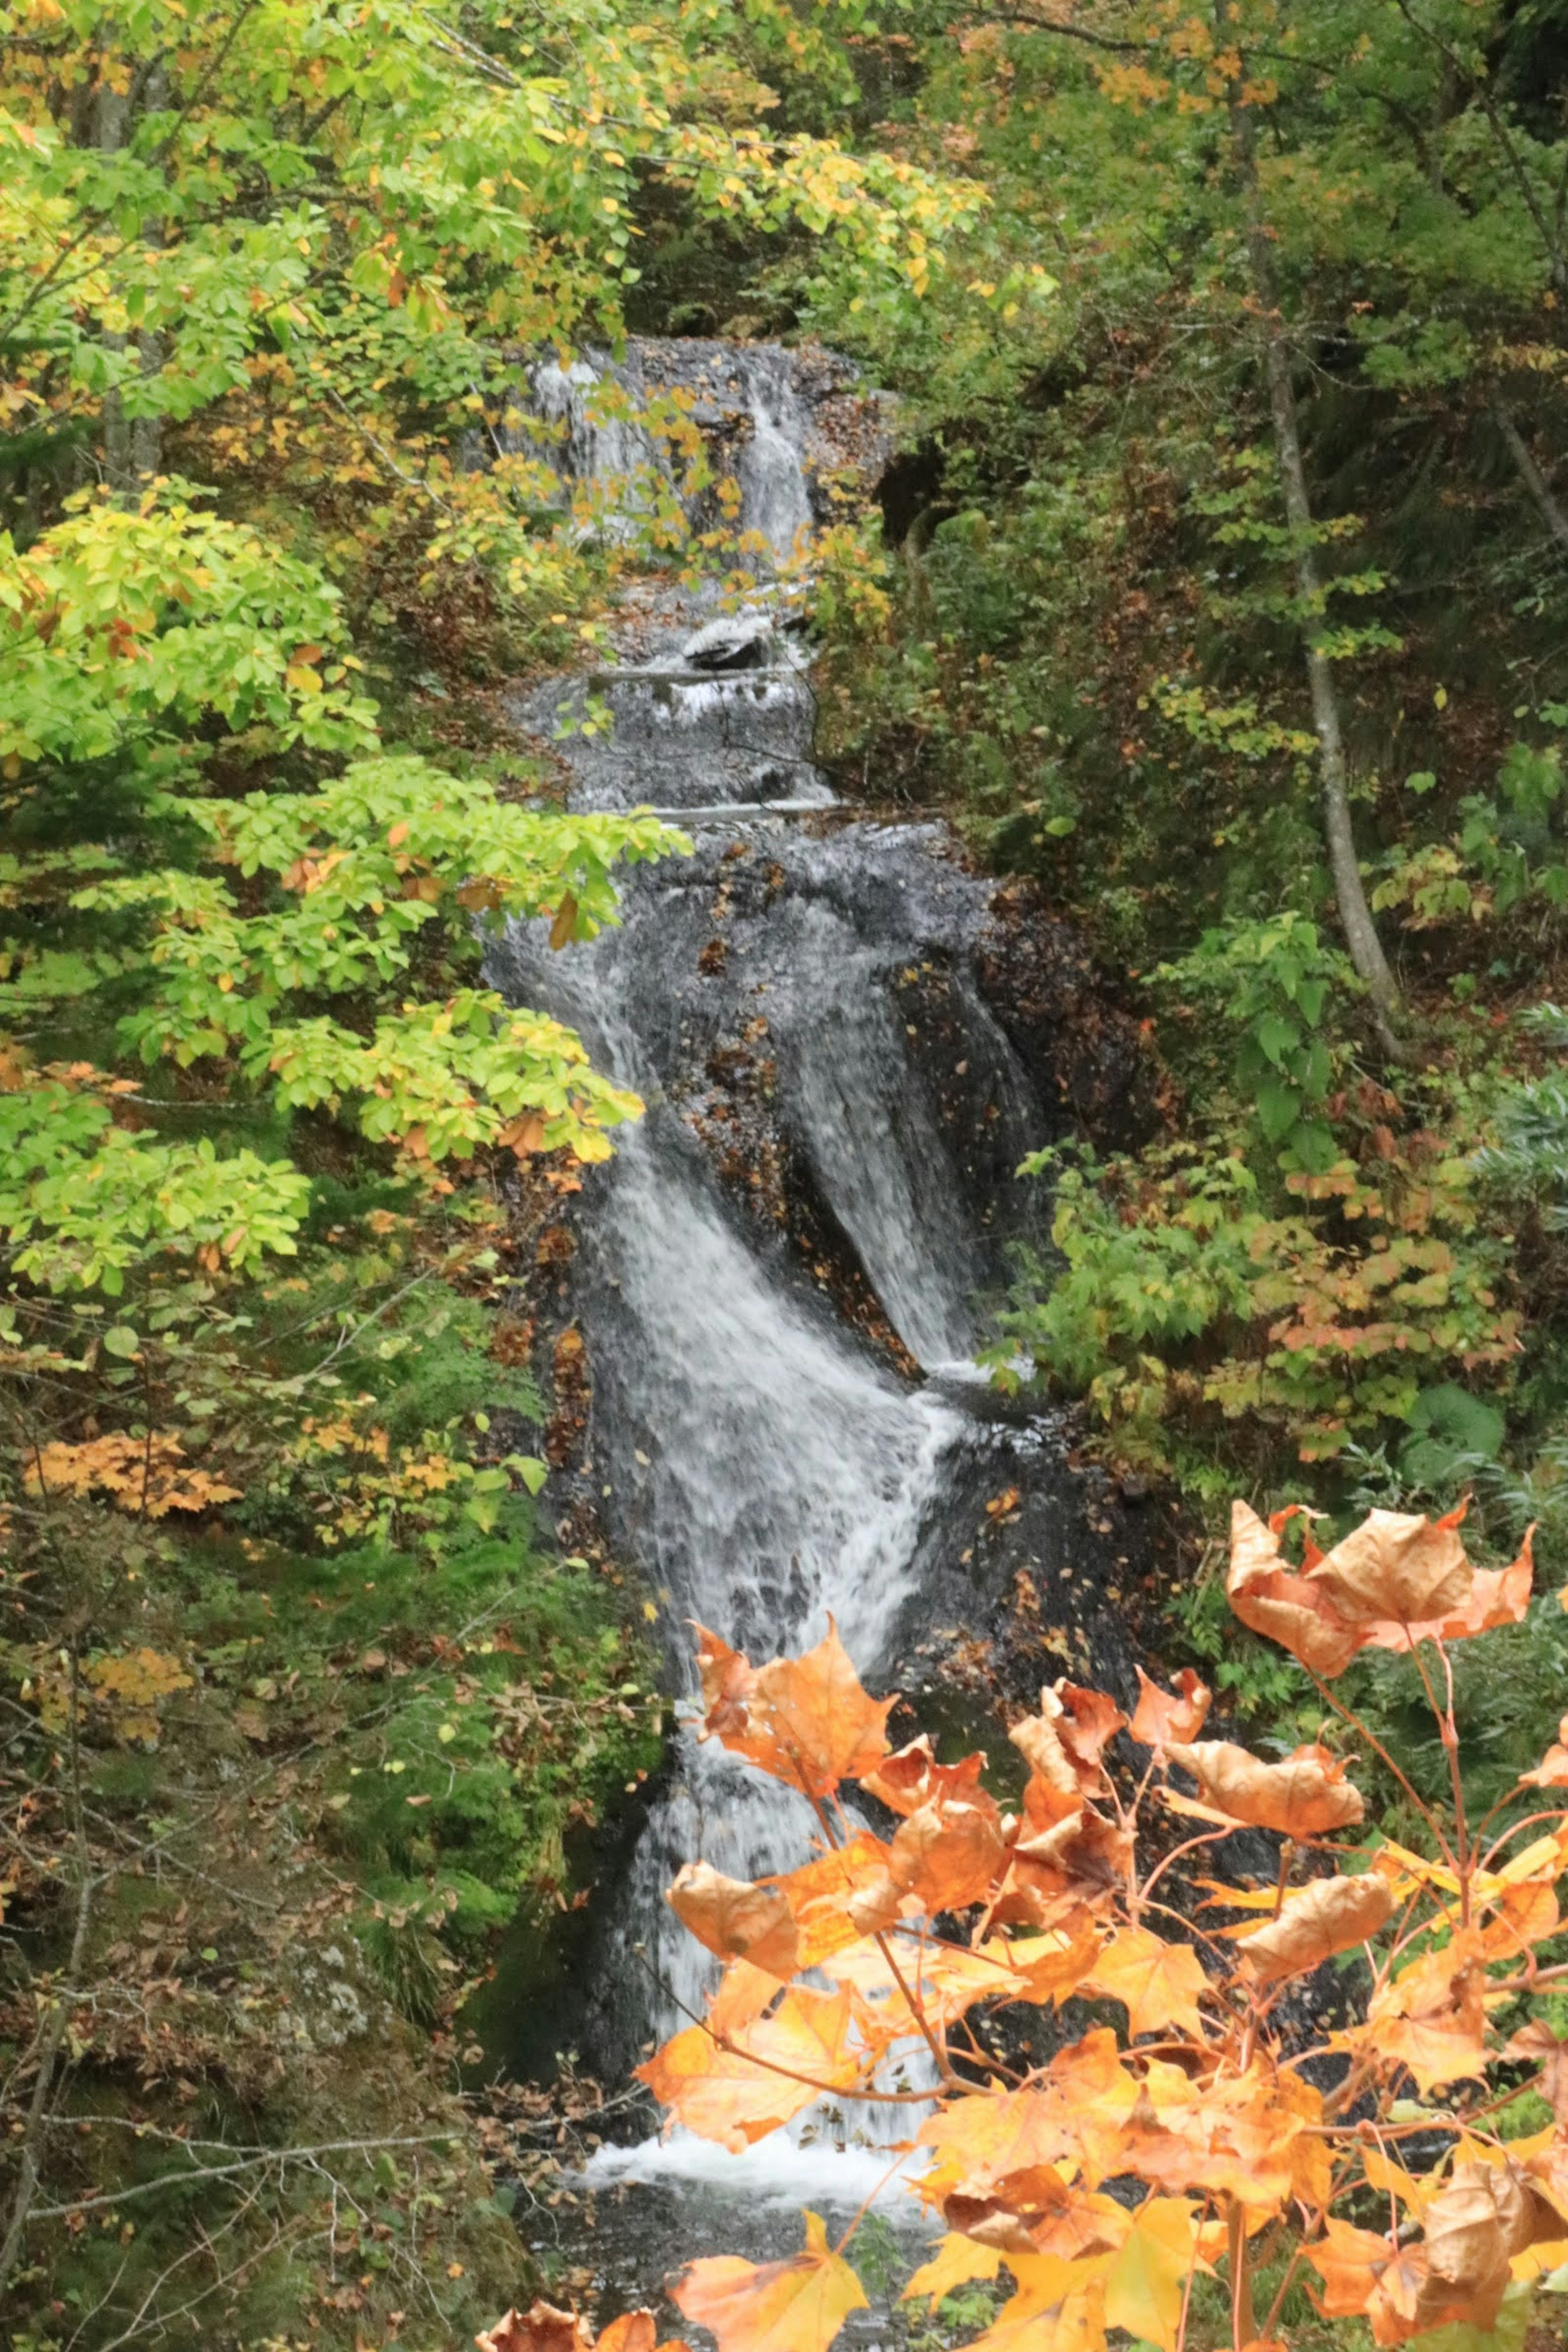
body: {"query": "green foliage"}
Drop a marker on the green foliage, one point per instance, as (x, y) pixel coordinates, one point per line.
(1211, 1325)
(1272, 981)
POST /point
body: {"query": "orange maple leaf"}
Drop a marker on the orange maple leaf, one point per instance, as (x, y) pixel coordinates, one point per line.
(805, 1720)
(1316, 1921)
(738, 2092)
(1290, 1609)
(1160, 1717)
(736, 1920)
(1432, 2017)
(1159, 1983)
(799, 2306)
(1306, 1795)
(911, 1777)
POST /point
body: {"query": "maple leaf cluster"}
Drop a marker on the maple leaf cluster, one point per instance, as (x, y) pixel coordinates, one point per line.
(1244, 2133)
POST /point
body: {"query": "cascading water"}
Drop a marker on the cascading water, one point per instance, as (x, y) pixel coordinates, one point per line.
(763, 1464)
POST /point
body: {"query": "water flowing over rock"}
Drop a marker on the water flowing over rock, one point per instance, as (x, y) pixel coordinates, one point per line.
(780, 1278)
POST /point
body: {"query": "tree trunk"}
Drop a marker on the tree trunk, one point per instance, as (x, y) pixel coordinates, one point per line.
(1534, 480)
(133, 445)
(1333, 770)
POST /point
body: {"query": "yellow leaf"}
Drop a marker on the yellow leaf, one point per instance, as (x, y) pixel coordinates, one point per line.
(1143, 2289)
(1159, 1982)
(956, 2262)
(799, 2306)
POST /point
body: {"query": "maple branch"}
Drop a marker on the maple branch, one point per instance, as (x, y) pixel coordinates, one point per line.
(869, 2200)
(1243, 2324)
(913, 2002)
(1558, 1815)
(1206, 1837)
(1029, 23)
(1192, 2275)
(1348, 1715)
(1448, 1733)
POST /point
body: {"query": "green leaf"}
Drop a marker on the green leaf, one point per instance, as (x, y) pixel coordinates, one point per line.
(121, 1340)
(1278, 1108)
(1277, 1036)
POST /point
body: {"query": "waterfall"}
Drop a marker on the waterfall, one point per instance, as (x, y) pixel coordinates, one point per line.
(763, 1464)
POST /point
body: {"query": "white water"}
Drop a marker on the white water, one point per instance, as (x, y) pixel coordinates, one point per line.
(760, 1464)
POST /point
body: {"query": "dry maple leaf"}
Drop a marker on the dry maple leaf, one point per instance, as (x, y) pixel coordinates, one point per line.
(1059, 2308)
(541, 2328)
(946, 1856)
(958, 2261)
(1158, 1983)
(1160, 1717)
(1471, 2228)
(805, 1720)
(1087, 1721)
(821, 1894)
(1305, 1796)
(1144, 2288)
(736, 1920)
(1039, 1741)
(1498, 1596)
(743, 1993)
(912, 1777)
(1399, 1569)
(1065, 1742)
(1055, 1963)
(770, 2069)
(799, 2306)
(1038, 2213)
(1350, 2262)
(1538, 2045)
(1431, 2018)
(1315, 1922)
(1267, 1595)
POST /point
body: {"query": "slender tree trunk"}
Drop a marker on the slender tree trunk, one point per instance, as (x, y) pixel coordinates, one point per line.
(1530, 472)
(1333, 768)
(133, 445)
(51, 2032)
(110, 128)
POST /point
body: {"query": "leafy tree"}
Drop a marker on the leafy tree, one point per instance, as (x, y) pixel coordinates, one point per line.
(1406, 2173)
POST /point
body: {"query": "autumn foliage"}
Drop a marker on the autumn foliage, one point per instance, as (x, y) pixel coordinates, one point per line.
(1372, 2152)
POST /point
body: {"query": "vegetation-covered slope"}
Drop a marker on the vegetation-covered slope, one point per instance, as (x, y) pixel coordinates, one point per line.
(1222, 591)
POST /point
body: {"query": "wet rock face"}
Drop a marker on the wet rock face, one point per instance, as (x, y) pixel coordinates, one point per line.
(843, 425)
(767, 1306)
(1083, 1051)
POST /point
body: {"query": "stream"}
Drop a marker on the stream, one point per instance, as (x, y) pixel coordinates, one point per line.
(780, 1279)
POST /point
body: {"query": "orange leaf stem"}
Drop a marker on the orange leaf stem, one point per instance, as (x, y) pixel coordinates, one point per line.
(1448, 1733)
(1204, 1837)
(1349, 1716)
(916, 2008)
